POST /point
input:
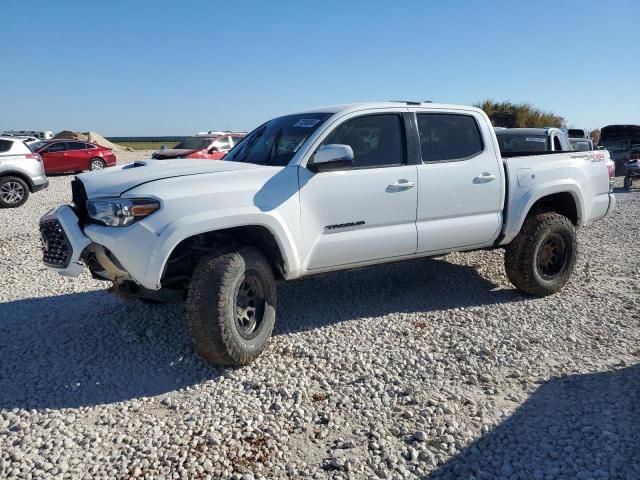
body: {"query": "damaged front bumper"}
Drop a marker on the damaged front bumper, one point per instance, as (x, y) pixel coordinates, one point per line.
(63, 242)
(66, 249)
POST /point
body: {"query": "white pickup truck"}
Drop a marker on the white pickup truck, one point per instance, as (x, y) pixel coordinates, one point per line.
(318, 191)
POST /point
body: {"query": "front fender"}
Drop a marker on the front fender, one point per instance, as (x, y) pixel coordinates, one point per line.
(204, 222)
(523, 200)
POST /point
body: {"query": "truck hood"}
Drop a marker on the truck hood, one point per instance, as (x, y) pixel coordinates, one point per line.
(173, 153)
(114, 181)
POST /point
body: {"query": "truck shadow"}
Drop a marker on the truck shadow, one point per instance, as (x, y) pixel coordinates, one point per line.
(580, 426)
(50, 346)
(422, 285)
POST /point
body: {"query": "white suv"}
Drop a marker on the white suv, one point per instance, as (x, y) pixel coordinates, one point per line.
(21, 172)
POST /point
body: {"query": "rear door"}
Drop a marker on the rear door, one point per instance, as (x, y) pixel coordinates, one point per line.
(54, 157)
(77, 156)
(460, 182)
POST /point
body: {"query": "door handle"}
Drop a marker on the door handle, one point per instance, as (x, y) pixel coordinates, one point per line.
(485, 177)
(400, 185)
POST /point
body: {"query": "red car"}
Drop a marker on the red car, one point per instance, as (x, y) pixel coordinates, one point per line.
(211, 146)
(73, 156)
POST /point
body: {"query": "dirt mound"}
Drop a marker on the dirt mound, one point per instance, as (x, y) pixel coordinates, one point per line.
(91, 137)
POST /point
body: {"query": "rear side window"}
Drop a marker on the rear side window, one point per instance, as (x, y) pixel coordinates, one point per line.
(89, 146)
(76, 146)
(376, 140)
(5, 145)
(446, 137)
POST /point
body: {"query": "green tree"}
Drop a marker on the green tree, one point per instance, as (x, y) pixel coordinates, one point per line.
(518, 115)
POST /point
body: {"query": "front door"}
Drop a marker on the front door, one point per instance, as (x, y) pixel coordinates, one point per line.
(54, 157)
(367, 212)
(460, 182)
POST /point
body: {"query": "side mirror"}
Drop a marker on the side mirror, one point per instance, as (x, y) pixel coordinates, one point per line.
(331, 157)
(213, 149)
(163, 147)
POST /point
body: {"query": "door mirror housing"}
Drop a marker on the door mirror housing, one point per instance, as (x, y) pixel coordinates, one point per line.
(331, 157)
(213, 149)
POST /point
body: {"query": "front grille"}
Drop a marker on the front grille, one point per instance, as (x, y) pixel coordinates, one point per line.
(56, 249)
(79, 200)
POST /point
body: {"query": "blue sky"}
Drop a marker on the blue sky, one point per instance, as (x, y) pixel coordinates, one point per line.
(170, 68)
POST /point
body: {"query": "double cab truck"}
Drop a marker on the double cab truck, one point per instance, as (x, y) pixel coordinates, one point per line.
(318, 191)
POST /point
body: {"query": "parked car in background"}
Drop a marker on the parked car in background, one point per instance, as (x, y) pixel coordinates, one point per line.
(620, 140)
(21, 172)
(577, 133)
(209, 146)
(72, 156)
(532, 141)
(581, 144)
(319, 191)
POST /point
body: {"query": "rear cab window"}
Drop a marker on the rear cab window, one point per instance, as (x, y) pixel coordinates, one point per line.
(446, 137)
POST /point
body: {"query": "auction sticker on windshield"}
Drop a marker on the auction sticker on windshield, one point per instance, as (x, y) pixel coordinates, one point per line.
(306, 122)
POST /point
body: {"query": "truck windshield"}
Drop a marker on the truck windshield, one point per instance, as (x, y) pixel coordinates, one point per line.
(520, 142)
(277, 141)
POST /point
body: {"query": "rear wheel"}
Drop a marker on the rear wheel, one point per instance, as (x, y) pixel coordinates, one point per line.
(14, 192)
(231, 306)
(539, 261)
(97, 164)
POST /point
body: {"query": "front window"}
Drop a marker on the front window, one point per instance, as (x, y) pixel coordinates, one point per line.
(277, 141)
(194, 143)
(522, 142)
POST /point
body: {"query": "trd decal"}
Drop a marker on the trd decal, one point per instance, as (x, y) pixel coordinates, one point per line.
(344, 225)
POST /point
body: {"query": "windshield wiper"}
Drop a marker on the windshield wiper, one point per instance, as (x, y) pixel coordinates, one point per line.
(276, 139)
(246, 149)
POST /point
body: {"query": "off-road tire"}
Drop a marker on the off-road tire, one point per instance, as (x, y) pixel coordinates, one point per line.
(97, 161)
(522, 254)
(211, 306)
(7, 186)
(627, 183)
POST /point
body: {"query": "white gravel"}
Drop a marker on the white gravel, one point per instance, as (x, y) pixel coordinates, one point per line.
(431, 369)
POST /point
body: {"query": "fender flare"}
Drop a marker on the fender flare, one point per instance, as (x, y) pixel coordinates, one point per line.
(518, 213)
(192, 225)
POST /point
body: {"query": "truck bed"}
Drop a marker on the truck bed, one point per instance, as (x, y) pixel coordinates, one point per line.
(583, 175)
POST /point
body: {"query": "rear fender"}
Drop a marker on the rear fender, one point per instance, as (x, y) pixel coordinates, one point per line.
(519, 209)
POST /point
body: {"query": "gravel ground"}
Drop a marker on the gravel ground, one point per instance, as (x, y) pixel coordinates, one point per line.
(432, 369)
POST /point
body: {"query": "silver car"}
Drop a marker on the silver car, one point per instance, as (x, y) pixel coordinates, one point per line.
(21, 172)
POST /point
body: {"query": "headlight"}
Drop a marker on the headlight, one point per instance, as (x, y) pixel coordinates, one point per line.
(120, 212)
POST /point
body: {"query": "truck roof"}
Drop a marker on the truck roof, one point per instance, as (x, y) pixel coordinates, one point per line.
(528, 131)
(354, 107)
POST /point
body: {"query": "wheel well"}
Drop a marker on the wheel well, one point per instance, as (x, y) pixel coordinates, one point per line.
(19, 175)
(562, 203)
(186, 255)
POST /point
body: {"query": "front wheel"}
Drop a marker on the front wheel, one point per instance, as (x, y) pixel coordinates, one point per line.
(539, 261)
(231, 306)
(97, 164)
(627, 183)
